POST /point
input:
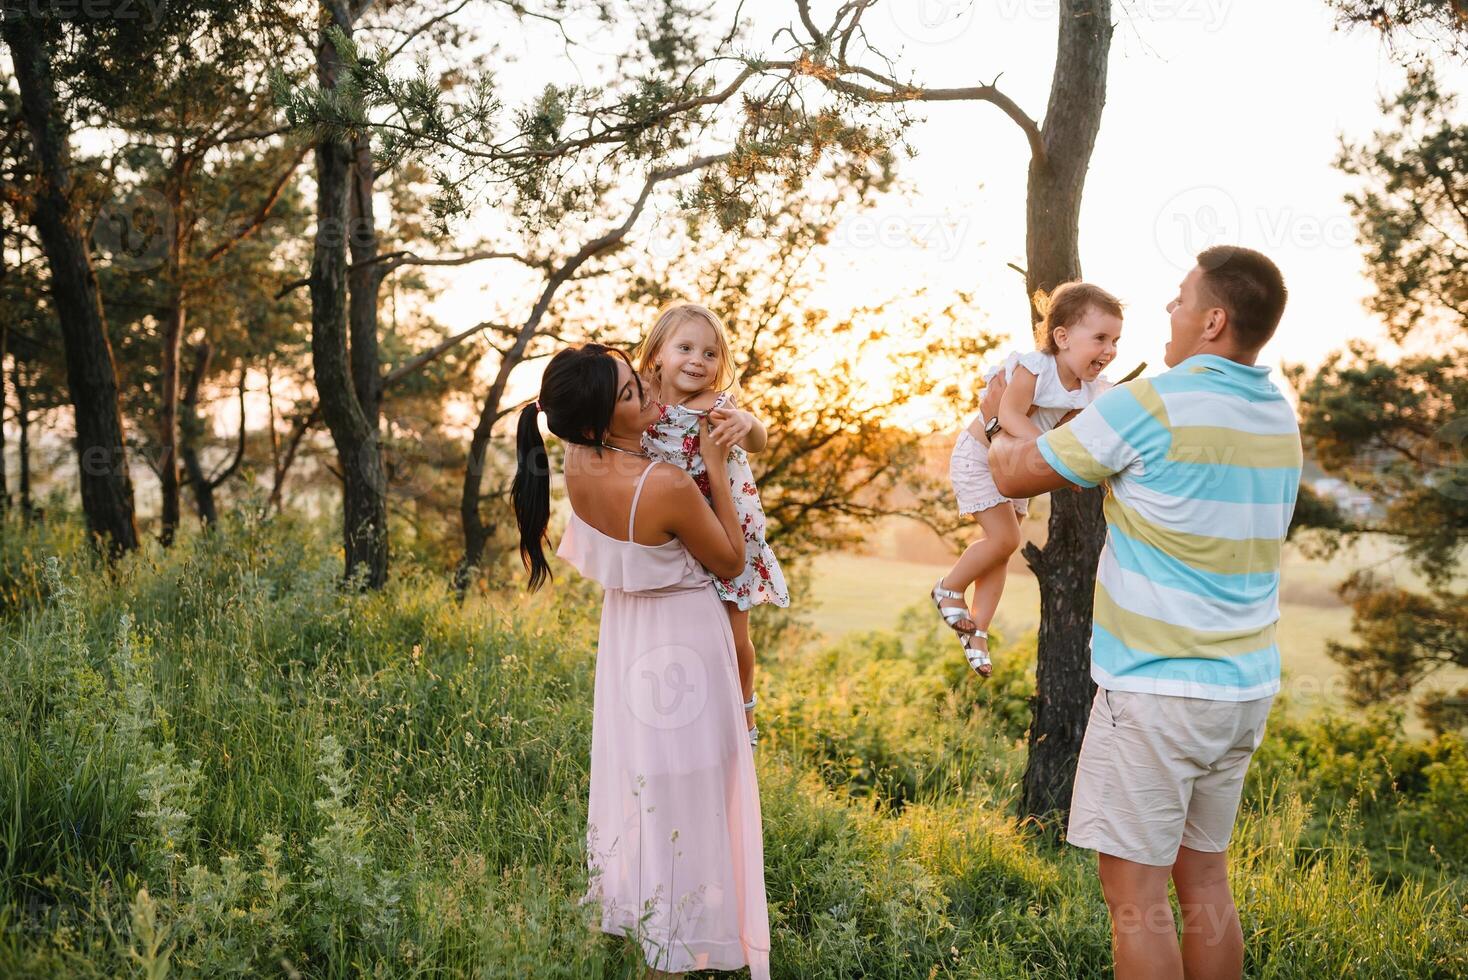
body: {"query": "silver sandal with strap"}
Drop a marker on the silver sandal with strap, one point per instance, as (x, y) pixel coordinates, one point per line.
(952, 615)
(977, 659)
(753, 729)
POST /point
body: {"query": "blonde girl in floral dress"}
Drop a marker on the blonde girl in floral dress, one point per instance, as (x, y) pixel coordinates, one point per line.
(686, 363)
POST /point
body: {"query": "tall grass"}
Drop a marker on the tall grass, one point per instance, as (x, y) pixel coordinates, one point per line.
(220, 763)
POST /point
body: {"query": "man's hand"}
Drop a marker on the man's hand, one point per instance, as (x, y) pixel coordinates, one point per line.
(1001, 452)
(993, 395)
(1019, 469)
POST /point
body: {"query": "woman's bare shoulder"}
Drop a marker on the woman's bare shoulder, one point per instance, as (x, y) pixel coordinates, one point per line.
(667, 478)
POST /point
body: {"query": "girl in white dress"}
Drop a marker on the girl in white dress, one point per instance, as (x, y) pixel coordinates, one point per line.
(1078, 338)
(687, 365)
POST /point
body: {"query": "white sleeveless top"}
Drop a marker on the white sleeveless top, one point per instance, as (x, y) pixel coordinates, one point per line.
(1052, 398)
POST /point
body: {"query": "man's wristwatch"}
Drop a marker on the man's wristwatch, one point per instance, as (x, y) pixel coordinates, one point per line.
(991, 428)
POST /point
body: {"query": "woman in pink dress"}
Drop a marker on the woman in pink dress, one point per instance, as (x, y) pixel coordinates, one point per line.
(673, 833)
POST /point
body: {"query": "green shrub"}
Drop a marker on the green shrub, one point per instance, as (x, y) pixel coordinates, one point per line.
(1408, 798)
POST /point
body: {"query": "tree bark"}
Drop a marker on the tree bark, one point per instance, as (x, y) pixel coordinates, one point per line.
(175, 319)
(106, 484)
(364, 280)
(1066, 567)
(4, 400)
(191, 430)
(364, 502)
(23, 447)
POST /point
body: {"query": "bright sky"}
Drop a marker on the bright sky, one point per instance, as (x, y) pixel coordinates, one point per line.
(1222, 121)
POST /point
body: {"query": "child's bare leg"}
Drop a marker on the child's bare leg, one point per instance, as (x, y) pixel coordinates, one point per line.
(1001, 535)
(987, 591)
(744, 651)
(1001, 538)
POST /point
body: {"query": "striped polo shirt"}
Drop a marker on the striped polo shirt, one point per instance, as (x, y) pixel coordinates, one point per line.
(1202, 464)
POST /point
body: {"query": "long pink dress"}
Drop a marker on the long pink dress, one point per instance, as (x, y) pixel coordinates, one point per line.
(673, 833)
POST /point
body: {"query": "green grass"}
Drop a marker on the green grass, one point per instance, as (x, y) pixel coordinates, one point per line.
(852, 592)
(219, 763)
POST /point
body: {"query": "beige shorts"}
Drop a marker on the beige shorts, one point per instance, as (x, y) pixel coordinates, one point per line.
(1158, 771)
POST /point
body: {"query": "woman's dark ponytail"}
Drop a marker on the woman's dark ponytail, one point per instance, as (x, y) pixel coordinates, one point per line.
(578, 394)
(530, 494)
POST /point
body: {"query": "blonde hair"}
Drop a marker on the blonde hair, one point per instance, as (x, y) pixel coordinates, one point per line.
(669, 319)
(1065, 306)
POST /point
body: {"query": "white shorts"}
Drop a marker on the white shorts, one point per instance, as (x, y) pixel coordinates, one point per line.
(1157, 772)
(973, 484)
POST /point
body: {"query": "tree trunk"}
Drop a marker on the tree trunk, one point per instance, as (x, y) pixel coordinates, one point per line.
(23, 420)
(364, 280)
(4, 400)
(173, 330)
(106, 485)
(191, 431)
(476, 533)
(364, 503)
(4, 337)
(1066, 568)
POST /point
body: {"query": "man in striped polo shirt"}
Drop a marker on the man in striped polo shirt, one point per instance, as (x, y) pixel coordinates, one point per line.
(1202, 465)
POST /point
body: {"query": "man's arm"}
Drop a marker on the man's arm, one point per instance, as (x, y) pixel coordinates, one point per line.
(1098, 443)
(1019, 468)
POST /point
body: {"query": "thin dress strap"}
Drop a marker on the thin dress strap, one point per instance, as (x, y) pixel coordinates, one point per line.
(636, 495)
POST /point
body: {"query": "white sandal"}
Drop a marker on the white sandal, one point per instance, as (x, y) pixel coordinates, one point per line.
(977, 659)
(753, 729)
(952, 615)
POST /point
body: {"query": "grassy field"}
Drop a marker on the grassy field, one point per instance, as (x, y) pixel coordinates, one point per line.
(851, 592)
(219, 763)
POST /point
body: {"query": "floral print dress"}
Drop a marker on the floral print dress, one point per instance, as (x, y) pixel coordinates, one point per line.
(673, 438)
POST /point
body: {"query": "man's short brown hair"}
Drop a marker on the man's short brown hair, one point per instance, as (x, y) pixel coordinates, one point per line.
(1250, 289)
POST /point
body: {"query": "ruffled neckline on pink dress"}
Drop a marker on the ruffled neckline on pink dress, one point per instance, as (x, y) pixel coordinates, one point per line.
(626, 565)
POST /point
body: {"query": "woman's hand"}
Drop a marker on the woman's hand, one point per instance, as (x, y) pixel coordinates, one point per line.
(714, 447)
